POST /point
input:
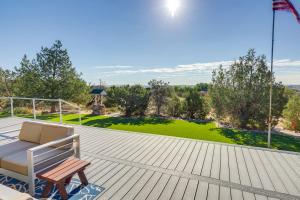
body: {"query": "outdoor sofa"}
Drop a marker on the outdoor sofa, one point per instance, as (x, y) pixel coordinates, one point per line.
(39, 147)
(6, 193)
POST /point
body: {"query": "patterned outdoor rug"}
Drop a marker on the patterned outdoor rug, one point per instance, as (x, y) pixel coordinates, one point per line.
(75, 190)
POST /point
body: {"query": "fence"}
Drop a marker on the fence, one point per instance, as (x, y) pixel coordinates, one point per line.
(34, 100)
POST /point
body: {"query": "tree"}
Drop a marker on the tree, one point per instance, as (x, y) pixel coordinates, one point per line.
(175, 106)
(7, 82)
(51, 75)
(139, 96)
(202, 86)
(292, 113)
(159, 93)
(29, 83)
(241, 93)
(195, 105)
(131, 99)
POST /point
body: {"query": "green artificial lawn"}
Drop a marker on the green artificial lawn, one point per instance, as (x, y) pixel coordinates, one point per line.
(181, 128)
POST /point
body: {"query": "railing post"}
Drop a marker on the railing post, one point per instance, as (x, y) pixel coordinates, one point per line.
(30, 171)
(79, 112)
(77, 147)
(60, 112)
(33, 108)
(11, 106)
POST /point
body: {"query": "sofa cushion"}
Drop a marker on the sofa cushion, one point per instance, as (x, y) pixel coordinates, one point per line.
(31, 132)
(17, 162)
(9, 194)
(13, 147)
(50, 133)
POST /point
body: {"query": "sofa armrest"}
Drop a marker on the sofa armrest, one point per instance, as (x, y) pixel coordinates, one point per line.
(31, 163)
(30, 152)
(49, 144)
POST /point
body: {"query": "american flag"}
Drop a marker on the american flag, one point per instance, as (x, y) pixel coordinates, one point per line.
(287, 6)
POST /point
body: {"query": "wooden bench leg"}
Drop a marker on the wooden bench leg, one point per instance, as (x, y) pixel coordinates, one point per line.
(62, 190)
(68, 180)
(47, 189)
(82, 178)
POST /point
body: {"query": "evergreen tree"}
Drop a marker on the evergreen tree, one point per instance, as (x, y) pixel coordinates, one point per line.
(51, 75)
(195, 105)
(159, 93)
(241, 93)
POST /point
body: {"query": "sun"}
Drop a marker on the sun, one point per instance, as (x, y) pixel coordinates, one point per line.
(173, 6)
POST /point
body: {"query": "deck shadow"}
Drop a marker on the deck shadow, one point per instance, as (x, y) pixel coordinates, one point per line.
(278, 141)
(107, 122)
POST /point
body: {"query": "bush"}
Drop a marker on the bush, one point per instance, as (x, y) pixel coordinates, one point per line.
(292, 113)
(23, 110)
(196, 108)
(175, 107)
(160, 91)
(131, 99)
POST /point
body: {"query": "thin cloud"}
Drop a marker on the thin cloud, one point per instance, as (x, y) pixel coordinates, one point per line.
(177, 69)
(287, 63)
(286, 70)
(195, 67)
(113, 67)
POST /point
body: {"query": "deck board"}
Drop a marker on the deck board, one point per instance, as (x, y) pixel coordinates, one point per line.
(172, 154)
(180, 189)
(202, 190)
(147, 188)
(264, 177)
(144, 166)
(243, 171)
(225, 193)
(208, 160)
(216, 163)
(191, 189)
(169, 189)
(179, 155)
(186, 156)
(224, 168)
(119, 194)
(213, 192)
(138, 186)
(233, 167)
(159, 187)
(252, 170)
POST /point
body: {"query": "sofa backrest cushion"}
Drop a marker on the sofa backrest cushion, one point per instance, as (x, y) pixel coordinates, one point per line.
(30, 132)
(9, 193)
(50, 133)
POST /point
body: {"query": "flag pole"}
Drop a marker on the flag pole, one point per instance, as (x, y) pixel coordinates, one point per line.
(271, 83)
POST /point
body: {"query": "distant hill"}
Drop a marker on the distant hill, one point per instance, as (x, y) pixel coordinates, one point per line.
(295, 87)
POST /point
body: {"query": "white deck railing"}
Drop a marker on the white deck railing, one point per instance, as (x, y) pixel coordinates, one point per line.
(60, 102)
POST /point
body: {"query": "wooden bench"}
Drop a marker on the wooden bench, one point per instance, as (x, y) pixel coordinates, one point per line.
(62, 174)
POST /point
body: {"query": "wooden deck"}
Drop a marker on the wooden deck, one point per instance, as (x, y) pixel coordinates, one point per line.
(144, 166)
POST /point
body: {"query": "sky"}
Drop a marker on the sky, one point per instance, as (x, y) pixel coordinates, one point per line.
(134, 41)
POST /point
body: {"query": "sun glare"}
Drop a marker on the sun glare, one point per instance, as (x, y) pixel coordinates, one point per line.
(173, 6)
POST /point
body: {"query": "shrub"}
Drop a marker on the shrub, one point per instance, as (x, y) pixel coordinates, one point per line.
(160, 91)
(131, 99)
(196, 107)
(175, 107)
(292, 113)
